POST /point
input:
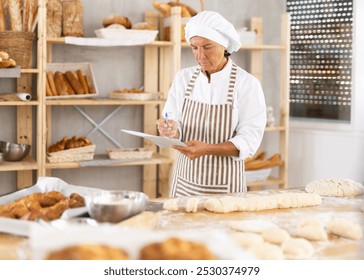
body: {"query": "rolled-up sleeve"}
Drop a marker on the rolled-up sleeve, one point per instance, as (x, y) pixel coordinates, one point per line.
(250, 110)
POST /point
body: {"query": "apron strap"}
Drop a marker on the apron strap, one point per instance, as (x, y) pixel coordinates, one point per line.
(229, 100)
(191, 83)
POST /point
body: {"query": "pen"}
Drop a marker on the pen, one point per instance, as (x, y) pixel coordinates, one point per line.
(166, 119)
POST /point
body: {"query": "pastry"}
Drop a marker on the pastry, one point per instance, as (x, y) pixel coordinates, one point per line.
(176, 249)
(88, 252)
(117, 19)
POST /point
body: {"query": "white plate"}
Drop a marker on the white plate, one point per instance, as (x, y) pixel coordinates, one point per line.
(128, 36)
(45, 239)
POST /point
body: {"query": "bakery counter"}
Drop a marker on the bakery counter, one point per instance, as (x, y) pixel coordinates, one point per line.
(349, 208)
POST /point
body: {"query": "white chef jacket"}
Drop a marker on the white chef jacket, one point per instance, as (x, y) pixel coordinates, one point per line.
(249, 108)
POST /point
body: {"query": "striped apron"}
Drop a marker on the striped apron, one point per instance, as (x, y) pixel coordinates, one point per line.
(210, 123)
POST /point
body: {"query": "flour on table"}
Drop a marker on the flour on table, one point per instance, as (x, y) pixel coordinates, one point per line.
(267, 251)
(335, 187)
(311, 229)
(275, 235)
(256, 226)
(246, 239)
(171, 204)
(344, 228)
(297, 249)
(228, 204)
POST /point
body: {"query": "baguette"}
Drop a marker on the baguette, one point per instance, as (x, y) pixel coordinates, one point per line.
(15, 15)
(48, 89)
(74, 82)
(2, 17)
(163, 8)
(50, 79)
(70, 90)
(90, 86)
(32, 15)
(82, 80)
(60, 84)
(26, 12)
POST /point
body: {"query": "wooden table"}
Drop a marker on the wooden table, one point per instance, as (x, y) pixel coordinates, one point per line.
(334, 248)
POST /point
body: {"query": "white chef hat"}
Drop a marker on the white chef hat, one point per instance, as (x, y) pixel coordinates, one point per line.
(215, 27)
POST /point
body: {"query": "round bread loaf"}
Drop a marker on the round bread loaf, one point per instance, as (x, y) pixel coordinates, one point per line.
(176, 249)
(117, 19)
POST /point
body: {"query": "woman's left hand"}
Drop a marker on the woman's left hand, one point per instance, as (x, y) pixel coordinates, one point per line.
(194, 149)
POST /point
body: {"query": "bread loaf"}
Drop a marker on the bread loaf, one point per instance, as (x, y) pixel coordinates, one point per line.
(15, 15)
(82, 80)
(54, 18)
(2, 16)
(60, 84)
(163, 8)
(48, 89)
(52, 85)
(72, 18)
(74, 82)
(117, 19)
(70, 90)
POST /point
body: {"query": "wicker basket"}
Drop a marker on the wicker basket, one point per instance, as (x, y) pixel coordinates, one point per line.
(19, 46)
(73, 155)
(129, 153)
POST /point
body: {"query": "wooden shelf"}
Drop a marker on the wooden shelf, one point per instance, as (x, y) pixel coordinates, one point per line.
(19, 103)
(30, 71)
(156, 159)
(94, 102)
(18, 166)
(61, 40)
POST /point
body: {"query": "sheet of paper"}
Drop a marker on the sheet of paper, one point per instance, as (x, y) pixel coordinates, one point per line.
(161, 141)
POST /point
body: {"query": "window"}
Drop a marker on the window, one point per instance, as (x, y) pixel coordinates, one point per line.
(321, 57)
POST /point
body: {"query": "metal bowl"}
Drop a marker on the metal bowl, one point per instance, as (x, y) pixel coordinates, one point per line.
(116, 206)
(14, 151)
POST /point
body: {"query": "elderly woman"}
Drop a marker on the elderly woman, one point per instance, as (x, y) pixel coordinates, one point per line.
(216, 108)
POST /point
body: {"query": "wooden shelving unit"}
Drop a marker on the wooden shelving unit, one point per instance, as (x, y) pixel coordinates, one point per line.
(161, 61)
(25, 130)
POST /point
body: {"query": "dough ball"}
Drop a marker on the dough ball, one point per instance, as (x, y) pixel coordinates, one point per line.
(247, 239)
(344, 228)
(171, 205)
(311, 229)
(256, 226)
(192, 204)
(267, 251)
(335, 187)
(297, 249)
(275, 235)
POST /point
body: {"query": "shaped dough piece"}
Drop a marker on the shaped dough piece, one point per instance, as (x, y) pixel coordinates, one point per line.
(171, 205)
(275, 235)
(247, 239)
(297, 249)
(311, 229)
(335, 187)
(256, 226)
(228, 204)
(192, 204)
(267, 251)
(344, 228)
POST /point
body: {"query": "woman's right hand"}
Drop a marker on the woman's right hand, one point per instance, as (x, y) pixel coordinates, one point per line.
(167, 128)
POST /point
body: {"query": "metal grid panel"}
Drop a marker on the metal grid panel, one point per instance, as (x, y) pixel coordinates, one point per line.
(321, 56)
